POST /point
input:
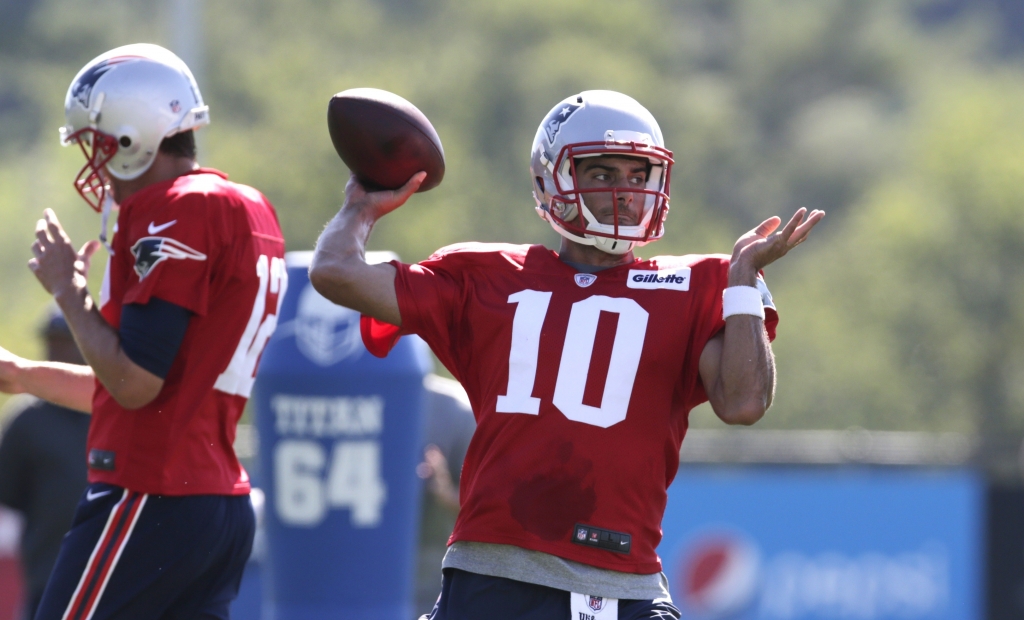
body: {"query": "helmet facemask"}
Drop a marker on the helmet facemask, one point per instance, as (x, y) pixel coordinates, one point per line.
(568, 203)
(600, 123)
(99, 148)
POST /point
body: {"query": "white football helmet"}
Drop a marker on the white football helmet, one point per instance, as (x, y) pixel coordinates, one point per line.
(591, 124)
(119, 108)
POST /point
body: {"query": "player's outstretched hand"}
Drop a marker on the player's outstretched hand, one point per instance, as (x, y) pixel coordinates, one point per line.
(766, 244)
(57, 265)
(379, 204)
(10, 365)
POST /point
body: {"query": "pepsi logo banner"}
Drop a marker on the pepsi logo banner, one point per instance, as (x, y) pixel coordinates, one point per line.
(773, 544)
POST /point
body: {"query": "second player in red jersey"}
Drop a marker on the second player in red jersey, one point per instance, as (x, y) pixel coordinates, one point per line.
(214, 248)
(189, 299)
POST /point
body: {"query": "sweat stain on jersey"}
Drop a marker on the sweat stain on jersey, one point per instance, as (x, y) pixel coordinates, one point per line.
(550, 504)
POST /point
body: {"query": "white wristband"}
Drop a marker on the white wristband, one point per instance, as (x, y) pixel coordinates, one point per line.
(742, 300)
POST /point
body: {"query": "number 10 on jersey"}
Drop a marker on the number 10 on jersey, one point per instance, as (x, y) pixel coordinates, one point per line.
(577, 351)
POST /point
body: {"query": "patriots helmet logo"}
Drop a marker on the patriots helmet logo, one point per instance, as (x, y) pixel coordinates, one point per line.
(558, 116)
(151, 251)
(81, 90)
(596, 602)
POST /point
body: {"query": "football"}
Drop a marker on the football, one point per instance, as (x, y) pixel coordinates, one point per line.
(384, 139)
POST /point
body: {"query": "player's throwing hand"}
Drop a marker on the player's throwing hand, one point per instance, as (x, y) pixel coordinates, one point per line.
(379, 204)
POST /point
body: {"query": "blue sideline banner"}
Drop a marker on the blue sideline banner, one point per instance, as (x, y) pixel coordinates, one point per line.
(824, 544)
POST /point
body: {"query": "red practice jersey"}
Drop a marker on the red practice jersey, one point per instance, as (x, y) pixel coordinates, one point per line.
(215, 248)
(581, 385)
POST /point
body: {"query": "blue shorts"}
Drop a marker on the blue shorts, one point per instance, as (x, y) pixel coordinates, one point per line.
(469, 596)
(135, 556)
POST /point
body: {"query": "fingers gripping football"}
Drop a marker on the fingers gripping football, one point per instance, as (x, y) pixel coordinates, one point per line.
(379, 204)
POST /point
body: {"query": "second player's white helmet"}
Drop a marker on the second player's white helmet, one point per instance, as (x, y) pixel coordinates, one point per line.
(591, 124)
(119, 108)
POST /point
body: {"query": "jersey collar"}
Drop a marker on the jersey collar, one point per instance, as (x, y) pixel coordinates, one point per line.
(222, 175)
(164, 186)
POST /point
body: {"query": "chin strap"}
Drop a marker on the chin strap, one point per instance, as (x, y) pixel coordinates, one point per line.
(612, 246)
(108, 206)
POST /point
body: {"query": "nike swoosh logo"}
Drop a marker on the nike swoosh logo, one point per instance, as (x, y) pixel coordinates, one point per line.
(154, 229)
(89, 495)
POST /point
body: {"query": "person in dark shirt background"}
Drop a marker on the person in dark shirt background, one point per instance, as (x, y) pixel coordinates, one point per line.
(42, 466)
(449, 425)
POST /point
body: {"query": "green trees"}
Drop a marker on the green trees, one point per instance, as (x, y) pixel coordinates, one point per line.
(921, 295)
(903, 311)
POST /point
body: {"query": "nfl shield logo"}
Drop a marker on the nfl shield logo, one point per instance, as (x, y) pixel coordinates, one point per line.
(581, 534)
(596, 602)
(585, 279)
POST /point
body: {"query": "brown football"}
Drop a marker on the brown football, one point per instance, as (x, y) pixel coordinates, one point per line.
(384, 139)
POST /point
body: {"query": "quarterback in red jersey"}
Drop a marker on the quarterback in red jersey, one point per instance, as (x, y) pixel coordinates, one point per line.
(189, 299)
(581, 365)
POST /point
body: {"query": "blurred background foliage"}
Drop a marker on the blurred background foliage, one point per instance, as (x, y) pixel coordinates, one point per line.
(901, 118)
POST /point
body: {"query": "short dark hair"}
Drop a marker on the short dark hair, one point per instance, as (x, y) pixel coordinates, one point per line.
(180, 145)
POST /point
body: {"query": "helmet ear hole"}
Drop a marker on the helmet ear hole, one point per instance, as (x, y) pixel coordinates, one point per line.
(125, 141)
(540, 184)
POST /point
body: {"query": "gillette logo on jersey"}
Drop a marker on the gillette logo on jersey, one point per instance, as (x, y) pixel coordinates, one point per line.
(151, 251)
(675, 279)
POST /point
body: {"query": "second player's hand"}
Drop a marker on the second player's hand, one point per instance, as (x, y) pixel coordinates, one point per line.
(57, 265)
(766, 244)
(10, 370)
(379, 204)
